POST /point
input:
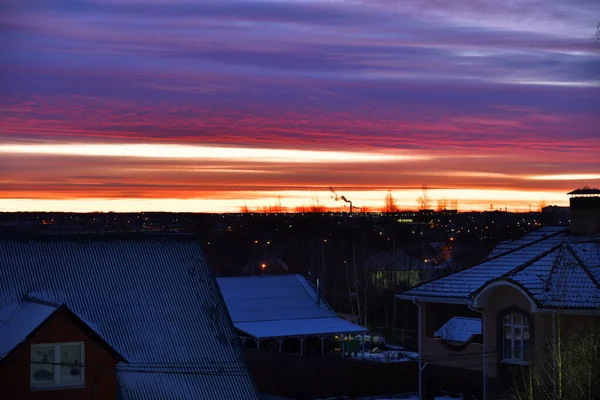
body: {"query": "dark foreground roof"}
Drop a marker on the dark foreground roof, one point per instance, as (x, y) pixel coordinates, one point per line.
(151, 297)
(555, 269)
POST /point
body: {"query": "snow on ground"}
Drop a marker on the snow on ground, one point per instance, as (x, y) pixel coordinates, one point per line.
(404, 397)
(400, 397)
(387, 356)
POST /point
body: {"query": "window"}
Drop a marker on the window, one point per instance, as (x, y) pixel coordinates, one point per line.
(58, 364)
(516, 338)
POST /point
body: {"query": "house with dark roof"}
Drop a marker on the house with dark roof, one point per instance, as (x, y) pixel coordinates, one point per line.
(525, 296)
(115, 316)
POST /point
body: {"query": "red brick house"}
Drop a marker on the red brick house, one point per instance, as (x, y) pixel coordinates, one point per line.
(48, 352)
(526, 296)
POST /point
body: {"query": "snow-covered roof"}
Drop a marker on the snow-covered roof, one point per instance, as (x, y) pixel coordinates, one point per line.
(152, 297)
(17, 324)
(554, 268)
(459, 329)
(280, 306)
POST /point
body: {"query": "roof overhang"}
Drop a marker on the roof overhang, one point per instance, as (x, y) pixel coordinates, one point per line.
(434, 299)
(298, 328)
(573, 311)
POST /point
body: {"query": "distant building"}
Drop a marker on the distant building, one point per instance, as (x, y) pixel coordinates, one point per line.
(105, 317)
(523, 295)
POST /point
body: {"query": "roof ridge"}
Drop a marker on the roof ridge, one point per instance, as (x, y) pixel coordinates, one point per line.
(486, 260)
(529, 262)
(555, 264)
(583, 266)
(32, 298)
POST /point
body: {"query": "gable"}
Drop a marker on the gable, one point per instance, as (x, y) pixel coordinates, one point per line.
(152, 297)
(19, 322)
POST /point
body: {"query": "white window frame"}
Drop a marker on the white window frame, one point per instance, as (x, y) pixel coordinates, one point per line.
(523, 360)
(57, 383)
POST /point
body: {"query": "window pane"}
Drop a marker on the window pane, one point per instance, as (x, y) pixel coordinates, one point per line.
(42, 365)
(70, 360)
(526, 343)
(517, 319)
(507, 320)
(525, 321)
(518, 343)
(507, 342)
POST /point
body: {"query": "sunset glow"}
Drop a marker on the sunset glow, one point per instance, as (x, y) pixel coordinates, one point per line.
(158, 151)
(211, 106)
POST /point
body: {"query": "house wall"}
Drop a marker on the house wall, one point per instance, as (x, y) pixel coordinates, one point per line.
(436, 351)
(15, 370)
(501, 299)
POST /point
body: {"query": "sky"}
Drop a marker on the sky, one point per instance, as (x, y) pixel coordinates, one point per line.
(209, 106)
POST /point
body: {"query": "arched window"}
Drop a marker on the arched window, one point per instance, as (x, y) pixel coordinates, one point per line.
(516, 338)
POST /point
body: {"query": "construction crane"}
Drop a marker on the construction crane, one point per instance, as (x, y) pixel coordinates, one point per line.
(338, 198)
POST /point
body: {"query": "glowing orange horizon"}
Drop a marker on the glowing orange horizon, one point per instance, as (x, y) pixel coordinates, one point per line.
(199, 178)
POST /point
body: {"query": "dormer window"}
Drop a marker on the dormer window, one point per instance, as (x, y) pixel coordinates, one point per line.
(57, 365)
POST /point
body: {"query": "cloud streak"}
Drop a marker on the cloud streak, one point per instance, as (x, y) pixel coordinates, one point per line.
(181, 99)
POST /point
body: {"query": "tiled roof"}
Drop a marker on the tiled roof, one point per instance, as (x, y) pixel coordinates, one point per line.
(152, 297)
(556, 269)
(278, 306)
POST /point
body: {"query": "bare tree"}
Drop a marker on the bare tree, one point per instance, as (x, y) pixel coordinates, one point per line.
(390, 205)
(424, 201)
(278, 208)
(569, 372)
(541, 205)
(442, 205)
(245, 209)
(453, 204)
(316, 206)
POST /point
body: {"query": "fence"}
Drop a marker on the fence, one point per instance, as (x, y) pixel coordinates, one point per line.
(308, 377)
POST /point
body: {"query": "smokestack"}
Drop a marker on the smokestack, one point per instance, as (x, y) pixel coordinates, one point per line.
(585, 210)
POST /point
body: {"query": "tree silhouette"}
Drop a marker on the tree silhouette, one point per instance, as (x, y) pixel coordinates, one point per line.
(390, 205)
(541, 205)
(424, 201)
(442, 205)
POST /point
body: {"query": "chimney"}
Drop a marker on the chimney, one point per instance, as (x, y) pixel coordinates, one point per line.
(585, 210)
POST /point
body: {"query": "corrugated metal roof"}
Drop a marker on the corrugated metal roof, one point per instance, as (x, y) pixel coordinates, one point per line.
(152, 297)
(279, 305)
(557, 270)
(20, 323)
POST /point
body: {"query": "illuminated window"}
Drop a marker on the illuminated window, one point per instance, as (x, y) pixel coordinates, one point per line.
(56, 365)
(516, 338)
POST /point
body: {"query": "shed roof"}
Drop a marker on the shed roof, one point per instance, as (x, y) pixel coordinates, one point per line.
(280, 306)
(152, 297)
(556, 269)
(459, 329)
